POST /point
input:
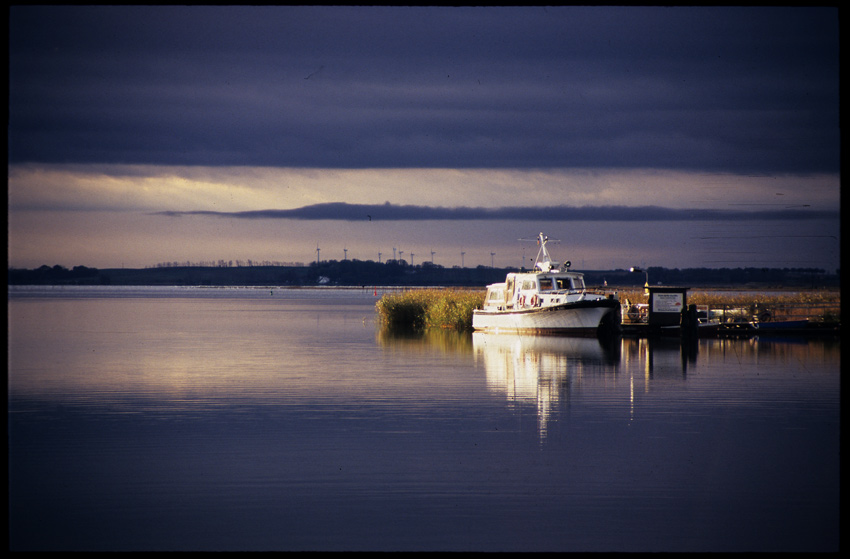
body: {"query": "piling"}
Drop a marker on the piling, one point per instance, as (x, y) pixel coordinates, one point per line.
(689, 322)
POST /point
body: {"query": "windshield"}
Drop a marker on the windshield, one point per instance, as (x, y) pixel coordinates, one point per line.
(550, 284)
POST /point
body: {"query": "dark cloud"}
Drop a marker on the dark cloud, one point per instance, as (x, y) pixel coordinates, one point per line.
(733, 89)
(393, 212)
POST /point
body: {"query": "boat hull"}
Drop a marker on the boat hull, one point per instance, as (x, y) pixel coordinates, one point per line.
(580, 318)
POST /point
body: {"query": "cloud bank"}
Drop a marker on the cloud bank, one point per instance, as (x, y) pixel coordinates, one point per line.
(393, 212)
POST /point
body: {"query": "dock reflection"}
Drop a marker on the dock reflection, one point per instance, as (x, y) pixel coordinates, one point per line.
(548, 372)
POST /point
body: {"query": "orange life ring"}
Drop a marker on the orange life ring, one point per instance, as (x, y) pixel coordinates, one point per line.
(521, 300)
(534, 300)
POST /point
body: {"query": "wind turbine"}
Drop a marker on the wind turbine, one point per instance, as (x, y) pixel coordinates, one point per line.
(432, 256)
(317, 254)
(461, 258)
(492, 254)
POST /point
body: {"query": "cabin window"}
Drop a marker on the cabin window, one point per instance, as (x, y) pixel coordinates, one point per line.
(578, 283)
(563, 283)
(528, 285)
(547, 284)
(494, 295)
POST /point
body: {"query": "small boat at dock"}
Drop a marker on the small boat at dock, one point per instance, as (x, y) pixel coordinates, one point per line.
(548, 300)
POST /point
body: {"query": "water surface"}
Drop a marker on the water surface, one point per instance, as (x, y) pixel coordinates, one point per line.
(247, 419)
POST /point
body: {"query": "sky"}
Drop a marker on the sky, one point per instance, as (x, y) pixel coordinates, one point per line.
(634, 136)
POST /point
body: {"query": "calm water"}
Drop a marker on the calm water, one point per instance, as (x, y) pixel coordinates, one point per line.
(250, 419)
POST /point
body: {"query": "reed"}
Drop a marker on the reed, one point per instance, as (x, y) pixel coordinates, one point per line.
(423, 309)
(814, 305)
(743, 299)
(429, 308)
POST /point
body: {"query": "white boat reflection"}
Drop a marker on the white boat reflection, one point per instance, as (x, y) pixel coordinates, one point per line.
(541, 370)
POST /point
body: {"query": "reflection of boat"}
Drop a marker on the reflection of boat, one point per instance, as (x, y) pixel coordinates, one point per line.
(548, 300)
(577, 349)
(541, 370)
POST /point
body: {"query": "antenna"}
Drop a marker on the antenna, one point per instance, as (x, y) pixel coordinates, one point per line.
(543, 261)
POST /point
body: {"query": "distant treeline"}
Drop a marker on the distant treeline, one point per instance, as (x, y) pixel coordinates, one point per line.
(225, 264)
(400, 273)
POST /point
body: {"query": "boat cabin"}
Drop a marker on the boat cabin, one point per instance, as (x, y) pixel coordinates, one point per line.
(529, 290)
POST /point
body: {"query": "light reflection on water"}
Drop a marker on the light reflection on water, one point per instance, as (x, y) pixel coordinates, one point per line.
(547, 372)
(289, 420)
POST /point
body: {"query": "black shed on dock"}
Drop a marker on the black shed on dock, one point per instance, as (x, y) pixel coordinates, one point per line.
(666, 305)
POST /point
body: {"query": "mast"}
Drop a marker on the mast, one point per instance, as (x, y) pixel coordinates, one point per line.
(545, 263)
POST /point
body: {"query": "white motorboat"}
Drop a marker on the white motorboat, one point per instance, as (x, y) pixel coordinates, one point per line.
(548, 300)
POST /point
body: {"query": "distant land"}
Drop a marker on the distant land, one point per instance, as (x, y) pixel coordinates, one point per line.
(400, 273)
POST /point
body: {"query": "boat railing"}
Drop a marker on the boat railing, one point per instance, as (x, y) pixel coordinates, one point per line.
(561, 291)
(599, 291)
(577, 291)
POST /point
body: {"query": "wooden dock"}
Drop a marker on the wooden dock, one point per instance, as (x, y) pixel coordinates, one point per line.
(804, 328)
(668, 314)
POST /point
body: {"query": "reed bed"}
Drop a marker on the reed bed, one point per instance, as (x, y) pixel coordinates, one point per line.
(423, 309)
(738, 298)
(429, 308)
(817, 304)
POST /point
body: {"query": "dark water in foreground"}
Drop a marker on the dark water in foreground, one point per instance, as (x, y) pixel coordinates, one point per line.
(238, 419)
